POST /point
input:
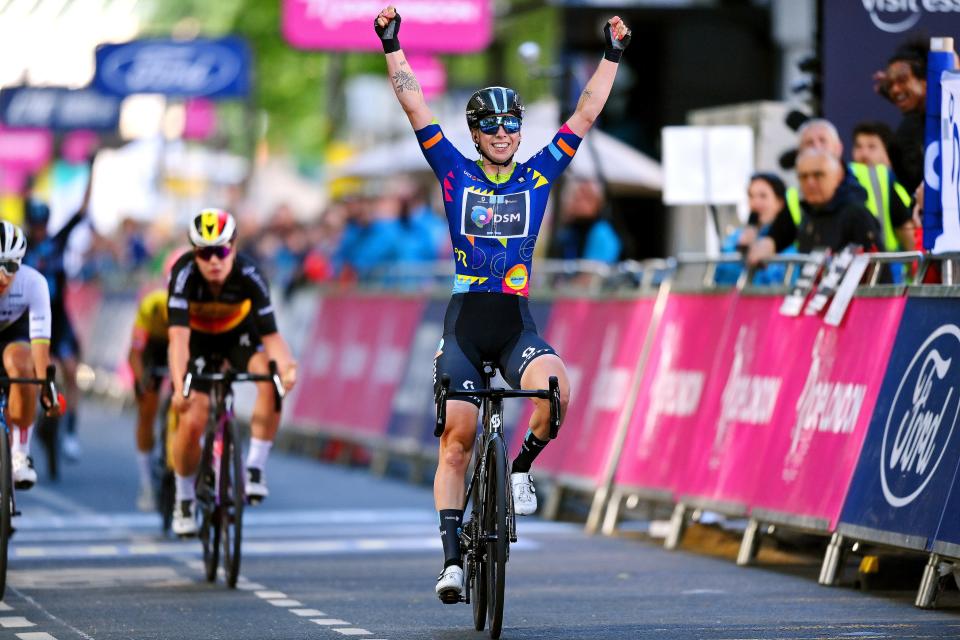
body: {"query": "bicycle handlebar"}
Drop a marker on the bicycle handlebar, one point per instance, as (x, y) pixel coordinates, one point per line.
(48, 382)
(242, 376)
(552, 394)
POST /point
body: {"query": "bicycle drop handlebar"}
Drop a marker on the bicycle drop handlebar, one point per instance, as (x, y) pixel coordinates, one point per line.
(230, 376)
(48, 383)
(552, 394)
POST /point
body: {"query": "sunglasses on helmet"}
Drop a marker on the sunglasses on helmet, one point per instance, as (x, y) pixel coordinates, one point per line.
(9, 267)
(491, 124)
(205, 253)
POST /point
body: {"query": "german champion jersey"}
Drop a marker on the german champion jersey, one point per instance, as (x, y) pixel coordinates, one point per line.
(494, 226)
(245, 295)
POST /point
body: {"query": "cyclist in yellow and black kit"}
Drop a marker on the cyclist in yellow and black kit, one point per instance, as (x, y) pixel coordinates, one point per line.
(148, 352)
(220, 312)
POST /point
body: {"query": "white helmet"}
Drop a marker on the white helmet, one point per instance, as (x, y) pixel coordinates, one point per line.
(212, 228)
(13, 244)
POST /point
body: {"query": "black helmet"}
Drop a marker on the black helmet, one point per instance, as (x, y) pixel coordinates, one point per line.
(493, 101)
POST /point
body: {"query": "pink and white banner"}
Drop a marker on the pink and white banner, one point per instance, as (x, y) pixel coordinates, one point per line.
(600, 342)
(356, 357)
(658, 448)
(743, 392)
(25, 149)
(827, 402)
(427, 26)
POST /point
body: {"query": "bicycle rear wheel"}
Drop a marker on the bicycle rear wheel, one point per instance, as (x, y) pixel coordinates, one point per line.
(165, 481)
(497, 535)
(6, 506)
(209, 509)
(475, 561)
(231, 503)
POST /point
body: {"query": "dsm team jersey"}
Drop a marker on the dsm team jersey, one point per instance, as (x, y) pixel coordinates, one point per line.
(494, 226)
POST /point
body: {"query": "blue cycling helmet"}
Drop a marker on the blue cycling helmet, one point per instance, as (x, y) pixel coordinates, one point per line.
(492, 101)
(37, 212)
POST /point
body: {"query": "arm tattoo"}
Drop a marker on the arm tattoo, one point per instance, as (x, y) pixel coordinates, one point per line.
(586, 95)
(404, 81)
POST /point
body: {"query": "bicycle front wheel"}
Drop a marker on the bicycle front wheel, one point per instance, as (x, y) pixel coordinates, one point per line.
(495, 528)
(231, 503)
(209, 509)
(475, 562)
(6, 507)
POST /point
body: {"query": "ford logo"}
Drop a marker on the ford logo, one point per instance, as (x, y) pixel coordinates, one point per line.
(172, 69)
(922, 417)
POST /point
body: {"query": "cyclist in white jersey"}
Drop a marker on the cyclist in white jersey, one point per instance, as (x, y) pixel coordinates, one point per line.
(24, 344)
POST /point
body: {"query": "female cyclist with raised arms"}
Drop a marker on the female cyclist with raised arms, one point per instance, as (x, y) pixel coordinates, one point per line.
(494, 208)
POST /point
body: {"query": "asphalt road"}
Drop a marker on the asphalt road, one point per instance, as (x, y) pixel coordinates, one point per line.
(336, 553)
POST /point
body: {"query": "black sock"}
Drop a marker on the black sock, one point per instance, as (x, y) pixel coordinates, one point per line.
(532, 446)
(450, 521)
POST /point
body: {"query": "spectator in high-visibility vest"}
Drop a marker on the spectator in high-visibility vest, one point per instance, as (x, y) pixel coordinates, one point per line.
(861, 183)
(872, 145)
(829, 218)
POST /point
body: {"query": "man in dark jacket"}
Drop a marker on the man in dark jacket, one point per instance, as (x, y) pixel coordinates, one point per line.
(833, 214)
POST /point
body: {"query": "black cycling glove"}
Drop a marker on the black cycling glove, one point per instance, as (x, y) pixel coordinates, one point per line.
(614, 47)
(388, 34)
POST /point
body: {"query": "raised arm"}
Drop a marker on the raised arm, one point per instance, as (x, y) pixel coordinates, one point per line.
(405, 84)
(595, 94)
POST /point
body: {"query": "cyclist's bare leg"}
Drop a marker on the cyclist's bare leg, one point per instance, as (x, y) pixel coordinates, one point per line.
(186, 445)
(537, 376)
(70, 391)
(456, 446)
(18, 362)
(265, 419)
(146, 413)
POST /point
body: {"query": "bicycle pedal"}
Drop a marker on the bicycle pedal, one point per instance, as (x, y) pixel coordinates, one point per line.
(254, 500)
(451, 597)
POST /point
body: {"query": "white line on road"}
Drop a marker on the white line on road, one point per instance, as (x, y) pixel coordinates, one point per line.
(286, 603)
(48, 614)
(354, 632)
(35, 635)
(5, 607)
(329, 622)
(306, 613)
(270, 595)
(15, 622)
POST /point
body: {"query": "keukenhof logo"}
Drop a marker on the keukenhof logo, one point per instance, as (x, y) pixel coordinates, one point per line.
(922, 417)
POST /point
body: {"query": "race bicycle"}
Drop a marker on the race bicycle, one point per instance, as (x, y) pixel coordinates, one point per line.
(486, 536)
(220, 479)
(8, 501)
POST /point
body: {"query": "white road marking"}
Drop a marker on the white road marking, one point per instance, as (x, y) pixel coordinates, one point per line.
(5, 607)
(270, 595)
(306, 613)
(354, 632)
(15, 622)
(35, 635)
(329, 622)
(285, 603)
(48, 614)
(249, 586)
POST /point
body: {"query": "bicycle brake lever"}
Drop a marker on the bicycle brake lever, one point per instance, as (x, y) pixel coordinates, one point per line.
(554, 407)
(278, 391)
(187, 383)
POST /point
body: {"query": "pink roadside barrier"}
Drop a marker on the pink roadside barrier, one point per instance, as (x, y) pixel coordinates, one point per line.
(820, 426)
(658, 446)
(354, 364)
(600, 342)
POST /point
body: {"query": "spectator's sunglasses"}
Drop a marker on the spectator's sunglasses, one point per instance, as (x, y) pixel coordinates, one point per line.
(205, 253)
(490, 124)
(9, 267)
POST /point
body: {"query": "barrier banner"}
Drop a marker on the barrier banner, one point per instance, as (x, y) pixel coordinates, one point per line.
(435, 26)
(358, 350)
(744, 390)
(58, 108)
(658, 446)
(820, 424)
(600, 342)
(212, 68)
(412, 419)
(909, 458)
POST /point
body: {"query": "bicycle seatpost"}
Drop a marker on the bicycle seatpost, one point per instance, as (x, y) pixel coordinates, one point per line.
(442, 406)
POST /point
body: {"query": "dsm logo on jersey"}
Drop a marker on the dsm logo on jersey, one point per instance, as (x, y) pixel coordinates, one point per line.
(922, 417)
(489, 215)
